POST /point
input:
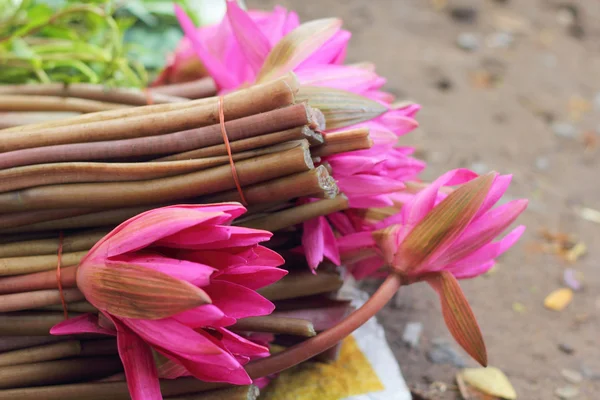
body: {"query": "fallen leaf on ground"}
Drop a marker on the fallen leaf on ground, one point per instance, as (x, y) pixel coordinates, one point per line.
(518, 307)
(565, 246)
(468, 392)
(575, 252)
(577, 107)
(490, 380)
(558, 299)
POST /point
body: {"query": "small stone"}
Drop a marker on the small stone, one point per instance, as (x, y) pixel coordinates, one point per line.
(412, 334)
(443, 353)
(589, 373)
(566, 348)
(577, 31)
(542, 163)
(479, 168)
(567, 392)
(464, 14)
(566, 15)
(443, 84)
(571, 375)
(500, 40)
(564, 129)
(468, 41)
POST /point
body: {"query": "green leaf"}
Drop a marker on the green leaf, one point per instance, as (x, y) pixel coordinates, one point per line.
(458, 315)
(152, 46)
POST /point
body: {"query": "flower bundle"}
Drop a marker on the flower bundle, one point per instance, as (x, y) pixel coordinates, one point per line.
(128, 217)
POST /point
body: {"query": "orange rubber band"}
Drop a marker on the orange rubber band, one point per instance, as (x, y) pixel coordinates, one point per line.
(58, 280)
(149, 99)
(236, 179)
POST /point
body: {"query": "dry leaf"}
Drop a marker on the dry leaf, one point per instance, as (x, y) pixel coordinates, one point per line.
(518, 307)
(575, 252)
(558, 299)
(468, 392)
(489, 380)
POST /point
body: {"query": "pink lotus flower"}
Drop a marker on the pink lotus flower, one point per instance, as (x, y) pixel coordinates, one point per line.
(167, 282)
(487, 223)
(439, 238)
(242, 49)
(234, 50)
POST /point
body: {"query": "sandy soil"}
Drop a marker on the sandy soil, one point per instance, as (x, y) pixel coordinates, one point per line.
(494, 109)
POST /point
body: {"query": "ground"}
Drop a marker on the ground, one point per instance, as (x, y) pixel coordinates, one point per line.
(526, 109)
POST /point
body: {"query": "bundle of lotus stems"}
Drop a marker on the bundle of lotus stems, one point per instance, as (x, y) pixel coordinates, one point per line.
(65, 183)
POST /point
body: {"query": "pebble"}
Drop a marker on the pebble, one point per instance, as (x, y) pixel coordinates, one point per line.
(564, 129)
(567, 392)
(571, 375)
(412, 334)
(542, 163)
(468, 41)
(589, 373)
(464, 14)
(479, 168)
(566, 348)
(443, 84)
(443, 353)
(500, 40)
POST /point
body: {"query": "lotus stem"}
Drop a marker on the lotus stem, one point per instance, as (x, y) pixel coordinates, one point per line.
(360, 143)
(29, 323)
(13, 220)
(301, 132)
(295, 215)
(305, 283)
(10, 343)
(40, 298)
(327, 339)
(30, 264)
(71, 243)
(78, 306)
(54, 103)
(197, 89)
(108, 195)
(55, 372)
(316, 183)
(149, 120)
(17, 118)
(130, 96)
(165, 143)
(94, 172)
(276, 324)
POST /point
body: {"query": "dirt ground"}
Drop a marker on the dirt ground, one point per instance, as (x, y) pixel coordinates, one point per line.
(521, 102)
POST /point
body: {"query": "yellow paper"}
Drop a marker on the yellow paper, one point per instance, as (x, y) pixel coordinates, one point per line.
(350, 375)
